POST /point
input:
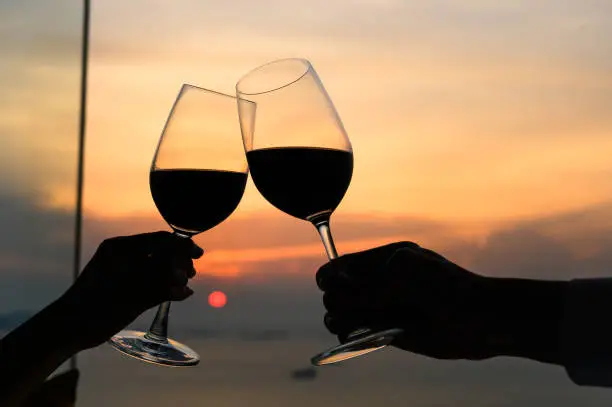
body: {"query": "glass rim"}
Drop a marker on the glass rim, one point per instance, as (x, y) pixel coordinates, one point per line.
(307, 64)
(189, 85)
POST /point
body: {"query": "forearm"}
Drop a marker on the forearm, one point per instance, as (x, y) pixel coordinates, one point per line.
(30, 353)
(525, 319)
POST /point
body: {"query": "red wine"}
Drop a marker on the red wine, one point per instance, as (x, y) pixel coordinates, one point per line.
(304, 182)
(192, 201)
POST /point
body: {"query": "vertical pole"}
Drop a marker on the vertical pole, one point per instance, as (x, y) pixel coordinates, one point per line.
(81, 151)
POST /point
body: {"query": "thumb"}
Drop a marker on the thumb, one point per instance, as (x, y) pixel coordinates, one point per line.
(357, 267)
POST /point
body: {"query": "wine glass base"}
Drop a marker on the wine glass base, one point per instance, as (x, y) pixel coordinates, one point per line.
(361, 345)
(165, 352)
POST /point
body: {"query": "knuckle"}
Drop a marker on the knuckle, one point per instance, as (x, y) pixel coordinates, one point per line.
(405, 244)
(326, 300)
(162, 236)
(107, 244)
(328, 321)
(320, 281)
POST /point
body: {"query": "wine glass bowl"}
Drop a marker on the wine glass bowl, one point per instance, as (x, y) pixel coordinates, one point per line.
(293, 108)
(301, 154)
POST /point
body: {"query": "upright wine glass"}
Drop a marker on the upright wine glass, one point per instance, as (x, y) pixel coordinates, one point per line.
(301, 161)
(197, 180)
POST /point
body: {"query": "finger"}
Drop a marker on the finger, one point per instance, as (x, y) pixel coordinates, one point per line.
(179, 278)
(167, 273)
(185, 264)
(196, 251)
(425, 281)
(415, 256)
(423, 340)
(171, 272)
(180, 293)
(147, 242)
(355, 267)
(414, 264)
(164, 243)
(139, 245)
(343, 324)
(161, 244)
(358, 300)
(184, 247)
(330, 275)
(174, 253)
(332, 323)
(432, 254)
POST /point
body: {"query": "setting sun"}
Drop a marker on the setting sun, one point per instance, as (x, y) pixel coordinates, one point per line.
(217, 299)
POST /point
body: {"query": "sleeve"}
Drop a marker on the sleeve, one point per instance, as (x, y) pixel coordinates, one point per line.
(586, 332)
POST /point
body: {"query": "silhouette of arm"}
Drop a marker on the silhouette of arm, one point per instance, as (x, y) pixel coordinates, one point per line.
(126, 276)
(30, 353)
(562, 323)
(521, 318)
(448, 312)
(586, 334)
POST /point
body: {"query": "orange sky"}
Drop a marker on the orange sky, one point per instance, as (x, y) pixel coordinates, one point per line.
(471, 114)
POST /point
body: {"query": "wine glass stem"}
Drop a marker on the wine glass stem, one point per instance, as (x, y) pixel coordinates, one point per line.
(330, 248)
(326, 237)
(159, 328)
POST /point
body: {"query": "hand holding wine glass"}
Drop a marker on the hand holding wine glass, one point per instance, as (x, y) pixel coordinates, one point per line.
(301, 161)
(138, 272)
(197, 180)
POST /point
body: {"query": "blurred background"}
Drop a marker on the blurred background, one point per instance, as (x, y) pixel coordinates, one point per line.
(481, 129)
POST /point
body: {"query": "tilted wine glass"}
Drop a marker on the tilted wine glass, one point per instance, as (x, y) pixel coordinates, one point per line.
(301, 161)
(197, 180)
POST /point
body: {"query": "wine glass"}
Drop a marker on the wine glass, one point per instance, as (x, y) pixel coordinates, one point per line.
(301, 161)
(197, 180)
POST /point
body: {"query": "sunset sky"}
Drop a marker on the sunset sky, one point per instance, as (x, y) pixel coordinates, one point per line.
(471, 117)
(474, 115)
(480, 128)
(468, 117)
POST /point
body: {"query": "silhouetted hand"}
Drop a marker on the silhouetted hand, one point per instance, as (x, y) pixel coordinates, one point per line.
(446, 312)
(126, 276)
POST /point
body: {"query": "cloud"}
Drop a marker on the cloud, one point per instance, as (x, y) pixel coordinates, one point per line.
(42, 237)
(275, 250)
(39, 105)
(570, 245)
(40, 31)
(524, 253)
(261, 246)
(277, 300)
(36, 251)
(483, 118)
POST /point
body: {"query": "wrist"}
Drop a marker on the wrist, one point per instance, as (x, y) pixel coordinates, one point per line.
(67, 321)
(524, 318)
